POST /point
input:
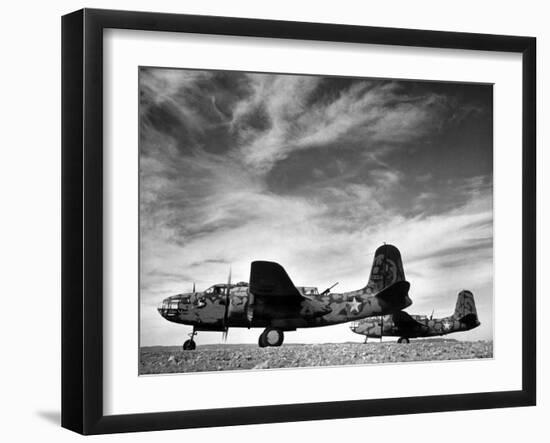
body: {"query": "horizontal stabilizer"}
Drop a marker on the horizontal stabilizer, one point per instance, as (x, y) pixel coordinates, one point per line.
(470, 320)
(270, 279)
(395, 296)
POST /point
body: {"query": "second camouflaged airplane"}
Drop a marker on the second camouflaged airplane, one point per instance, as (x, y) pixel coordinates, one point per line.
(406, 326)
(273, 302)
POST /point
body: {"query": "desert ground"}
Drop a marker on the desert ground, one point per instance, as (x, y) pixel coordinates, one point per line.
(227, 357)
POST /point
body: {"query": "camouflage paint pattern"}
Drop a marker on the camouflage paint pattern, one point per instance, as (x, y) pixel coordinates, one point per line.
(402, 324)
(223, 306)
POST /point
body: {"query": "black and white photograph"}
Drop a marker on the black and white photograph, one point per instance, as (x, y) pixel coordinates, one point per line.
(271, 222)
(306, 220)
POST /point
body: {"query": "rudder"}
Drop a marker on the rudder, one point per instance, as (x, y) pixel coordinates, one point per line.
(387, 269)
(465, 310)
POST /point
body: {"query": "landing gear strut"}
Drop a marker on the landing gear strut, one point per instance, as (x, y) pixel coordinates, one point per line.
(403, 340)
(271, 337)
(190, 344)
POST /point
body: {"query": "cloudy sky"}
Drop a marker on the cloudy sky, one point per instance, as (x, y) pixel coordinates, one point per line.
(313, 172)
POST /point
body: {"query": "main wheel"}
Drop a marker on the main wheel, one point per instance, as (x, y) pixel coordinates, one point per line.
(273, 337)
(189, 345)
(403, 340)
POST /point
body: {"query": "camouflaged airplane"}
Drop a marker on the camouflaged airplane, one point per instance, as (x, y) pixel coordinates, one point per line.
(273, 302)
(405, 326)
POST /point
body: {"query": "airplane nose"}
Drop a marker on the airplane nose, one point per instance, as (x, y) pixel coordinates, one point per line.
(162, 307)
(172, 306)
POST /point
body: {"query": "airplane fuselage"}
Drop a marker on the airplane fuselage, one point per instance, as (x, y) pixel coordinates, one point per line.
(424, 327)
(215, 310)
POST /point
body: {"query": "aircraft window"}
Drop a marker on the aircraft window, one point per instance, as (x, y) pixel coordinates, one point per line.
(209, 290)
(238, 290)
(173, 305)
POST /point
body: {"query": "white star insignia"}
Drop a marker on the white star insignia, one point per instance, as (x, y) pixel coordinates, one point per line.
(447, 325)
(354, 305)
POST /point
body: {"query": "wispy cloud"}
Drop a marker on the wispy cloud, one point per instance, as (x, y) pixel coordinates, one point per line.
(365, 112)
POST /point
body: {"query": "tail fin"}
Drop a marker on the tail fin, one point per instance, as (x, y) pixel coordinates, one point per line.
(465, 310)
(387, 269)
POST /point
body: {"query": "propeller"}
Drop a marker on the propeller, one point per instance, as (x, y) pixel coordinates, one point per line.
(227, 301)
(432, 314)
(194, 296)
(228, 285)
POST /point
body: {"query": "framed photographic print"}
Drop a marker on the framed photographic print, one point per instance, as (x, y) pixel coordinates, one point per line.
(313, 220)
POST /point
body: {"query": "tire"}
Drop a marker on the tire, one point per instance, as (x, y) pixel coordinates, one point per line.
(403, 340)
(261, 341)
(189, 345)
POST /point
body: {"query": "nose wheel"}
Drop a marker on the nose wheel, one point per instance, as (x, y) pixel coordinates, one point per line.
(190, 344)
(271, 337)
(403, 340)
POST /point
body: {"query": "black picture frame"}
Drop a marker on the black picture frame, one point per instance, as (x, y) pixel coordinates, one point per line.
(82, 220)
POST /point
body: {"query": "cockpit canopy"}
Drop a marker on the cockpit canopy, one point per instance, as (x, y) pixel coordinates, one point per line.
(221, 288)
(216, 289)
(308, 290)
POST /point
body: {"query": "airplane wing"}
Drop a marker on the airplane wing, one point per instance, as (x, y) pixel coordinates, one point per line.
(271, 280)
(401, 318)
(404, 322)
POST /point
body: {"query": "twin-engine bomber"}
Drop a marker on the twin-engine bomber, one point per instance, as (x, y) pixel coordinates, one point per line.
(406, 326)
(270, 300)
